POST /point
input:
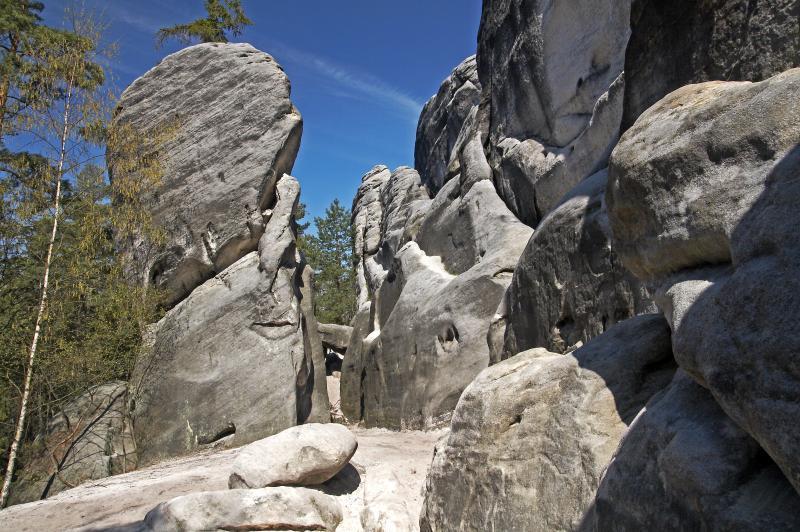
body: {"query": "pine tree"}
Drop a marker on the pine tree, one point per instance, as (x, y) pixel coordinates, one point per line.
(330, 254)
(224, 16)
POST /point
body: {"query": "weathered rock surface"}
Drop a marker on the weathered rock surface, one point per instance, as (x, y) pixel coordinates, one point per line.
(121, 502)
(440, 123)
(89, 439)
(367, 215)
(684, 41)
(432, 312)
(532, 434)
(552, 74)
(353, 366)
(258, 509)
(725, 139)
(684, 465)
(233, 357)
(299, 456)
(732, 204)
(335, 337)
(569, 285)
(237, 134)
(385, 507)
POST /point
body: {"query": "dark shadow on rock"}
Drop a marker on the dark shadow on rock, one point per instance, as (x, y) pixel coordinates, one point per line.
(724, 455)
(346, 481)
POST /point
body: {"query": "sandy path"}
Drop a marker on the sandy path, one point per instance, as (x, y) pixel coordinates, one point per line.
(120, 502)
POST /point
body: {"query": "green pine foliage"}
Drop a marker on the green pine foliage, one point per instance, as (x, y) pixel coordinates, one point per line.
(53, 97)
(330, 254)
(224, 17)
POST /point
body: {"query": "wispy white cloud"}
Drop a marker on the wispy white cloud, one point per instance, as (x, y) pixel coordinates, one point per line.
(350, 82)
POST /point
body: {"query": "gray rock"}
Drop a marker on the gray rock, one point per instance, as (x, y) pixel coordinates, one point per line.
(684, 465)
(317, 384)
(440, 123)
(385, 509)
(259, 509)
(233, 357)
(569, 285)
(684, 41)
(353, 366)
(734, 332)
(335, 337)
(366, 220)
(684, 175)
(307, 455)
(237, 134)
(91, 438)
(552, 74)
(708, 176)
(532, 435)
(433, 310)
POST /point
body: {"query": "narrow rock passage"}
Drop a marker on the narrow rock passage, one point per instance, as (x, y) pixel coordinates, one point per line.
(394, 463)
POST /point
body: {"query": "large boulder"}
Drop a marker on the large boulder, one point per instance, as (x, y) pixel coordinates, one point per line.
(685, 41)
(732, 203)
(569, 285)
(532, 435)
(552, 73)
(441, 120)
(685, 174)
(259, 509)
(90, 438)
(299, 456)
(234, 133)
(233, 358)
(684, 465)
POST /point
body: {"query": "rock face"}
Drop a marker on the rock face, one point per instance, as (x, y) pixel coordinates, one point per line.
(335, 337)
(300, 456)
(726, 138)
(684, 41)
(531, 435)
(569, 285)
(448, 263)
(260, 509)
(684, 465)
(236, 134)
(737, 145)
(552, 75)
(90, 439)
(441, 121)
(233, 358)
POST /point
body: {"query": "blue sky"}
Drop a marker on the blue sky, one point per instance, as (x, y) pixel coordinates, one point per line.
(360, 70)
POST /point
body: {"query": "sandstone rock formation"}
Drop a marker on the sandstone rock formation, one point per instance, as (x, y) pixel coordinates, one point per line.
(552, 75)
(448, 263)
(683, 41)
(732, 205)
(335, 337)
(569, 285)
(89, 439)
(440, 123)
(232, 358)
(237, 133)
(260, 509)
(531, 435)
(684, 465)
(299, 456)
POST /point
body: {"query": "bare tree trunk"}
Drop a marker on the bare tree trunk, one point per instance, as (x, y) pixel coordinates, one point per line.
(26, 391)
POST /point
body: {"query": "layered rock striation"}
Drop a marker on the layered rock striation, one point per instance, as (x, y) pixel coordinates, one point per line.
(238, 357)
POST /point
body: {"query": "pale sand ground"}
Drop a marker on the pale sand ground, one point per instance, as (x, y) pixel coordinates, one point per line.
(123, 500)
